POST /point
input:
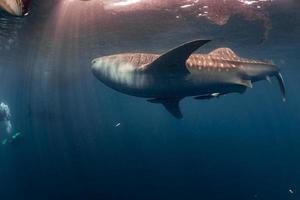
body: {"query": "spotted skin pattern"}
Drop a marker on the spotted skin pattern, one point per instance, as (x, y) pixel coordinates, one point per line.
(222, 60)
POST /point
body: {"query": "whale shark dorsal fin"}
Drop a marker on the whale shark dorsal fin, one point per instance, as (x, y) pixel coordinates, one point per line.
(171, 105)
(175, 58)
(224, 53)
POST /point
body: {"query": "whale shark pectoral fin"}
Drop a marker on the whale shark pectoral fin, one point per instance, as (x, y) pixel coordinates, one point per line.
(174, 60)
(171, 105)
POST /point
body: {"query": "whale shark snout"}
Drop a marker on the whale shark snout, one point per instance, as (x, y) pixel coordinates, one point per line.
(94, 65)
(99, 65)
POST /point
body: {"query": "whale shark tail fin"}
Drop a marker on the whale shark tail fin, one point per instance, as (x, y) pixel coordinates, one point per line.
(174, 60)
(281, 85)
(171, 105)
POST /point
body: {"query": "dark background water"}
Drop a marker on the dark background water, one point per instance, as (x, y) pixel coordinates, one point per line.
(235, 147)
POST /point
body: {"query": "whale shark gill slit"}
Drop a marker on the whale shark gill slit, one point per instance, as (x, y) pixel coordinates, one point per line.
(174, 60)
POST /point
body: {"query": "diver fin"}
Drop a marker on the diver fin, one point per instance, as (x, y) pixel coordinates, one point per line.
(174, 60)
(281, 85)
(171, 105)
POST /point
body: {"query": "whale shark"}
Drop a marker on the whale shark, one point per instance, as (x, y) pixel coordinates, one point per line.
(168, 78)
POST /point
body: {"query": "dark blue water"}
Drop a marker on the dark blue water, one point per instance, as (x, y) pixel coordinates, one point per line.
(234, 147)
